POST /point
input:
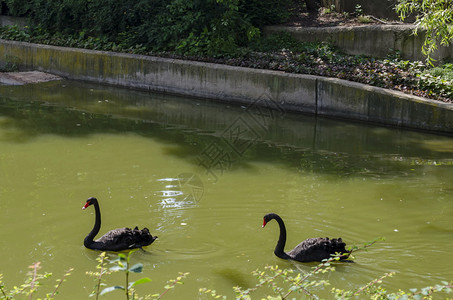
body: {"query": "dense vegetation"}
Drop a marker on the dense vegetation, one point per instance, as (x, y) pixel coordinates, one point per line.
(221, 31)
(198, 26)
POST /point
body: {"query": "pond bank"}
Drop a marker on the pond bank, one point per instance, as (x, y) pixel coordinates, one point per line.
(277, 90)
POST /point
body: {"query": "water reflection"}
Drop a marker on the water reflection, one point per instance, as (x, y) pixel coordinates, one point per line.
(186, 190)
(218, 138)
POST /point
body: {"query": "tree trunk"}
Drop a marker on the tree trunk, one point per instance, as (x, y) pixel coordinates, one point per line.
(312, 5)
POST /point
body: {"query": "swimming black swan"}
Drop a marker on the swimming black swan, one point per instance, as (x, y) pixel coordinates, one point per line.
(313, 249)
(117, 239)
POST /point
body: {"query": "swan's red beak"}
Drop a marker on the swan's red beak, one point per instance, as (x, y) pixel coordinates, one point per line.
(264, 223)
(86, 205)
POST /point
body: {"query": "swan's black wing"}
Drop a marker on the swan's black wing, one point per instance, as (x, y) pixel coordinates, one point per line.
(317, 249)
(143, 237)
(123, 239)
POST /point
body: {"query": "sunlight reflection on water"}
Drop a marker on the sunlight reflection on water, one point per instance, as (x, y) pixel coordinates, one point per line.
(186, 190)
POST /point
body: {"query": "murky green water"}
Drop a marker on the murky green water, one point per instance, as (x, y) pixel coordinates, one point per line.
(201, 176)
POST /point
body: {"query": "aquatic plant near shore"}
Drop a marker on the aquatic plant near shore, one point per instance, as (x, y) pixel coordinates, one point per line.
(32, 283)
(284, 282)
(102, 270)
(274, 282)
(122, 263)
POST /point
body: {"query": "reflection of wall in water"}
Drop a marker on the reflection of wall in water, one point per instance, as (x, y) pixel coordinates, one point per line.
(207, 123)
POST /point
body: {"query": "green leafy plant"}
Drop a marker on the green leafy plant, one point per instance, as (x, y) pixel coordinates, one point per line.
(102, 270)
(283, 282)
(374, 290)
(358, 10)
(364, 19)
(31, 284)
(191, 27)
(438, 80)
(434, 18)
(122, 263)
(171, 284)
(329, 10)
(275, 282)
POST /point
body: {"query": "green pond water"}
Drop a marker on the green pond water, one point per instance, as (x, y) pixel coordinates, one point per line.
(201, 176)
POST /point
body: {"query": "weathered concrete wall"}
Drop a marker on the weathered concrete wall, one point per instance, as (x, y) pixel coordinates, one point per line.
(346, 99)
(372, 40)
(9, 21)
(290, 92)
(215, 81)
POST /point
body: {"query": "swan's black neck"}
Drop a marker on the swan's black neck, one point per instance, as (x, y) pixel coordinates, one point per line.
(280, 248)
(97, 226)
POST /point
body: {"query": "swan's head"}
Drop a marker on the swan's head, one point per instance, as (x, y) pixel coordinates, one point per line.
(89, 202)
(269, 217)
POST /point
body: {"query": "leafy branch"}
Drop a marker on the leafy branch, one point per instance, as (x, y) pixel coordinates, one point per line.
(31, 284)
(282, 282)
(434, 18)
(2, 288)
(123, 264)
(171, 284)
(59, 283)
(102, 270)
(298, 283)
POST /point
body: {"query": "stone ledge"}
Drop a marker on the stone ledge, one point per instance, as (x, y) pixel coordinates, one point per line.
(289, 92)
(20, 78)
(371, 40)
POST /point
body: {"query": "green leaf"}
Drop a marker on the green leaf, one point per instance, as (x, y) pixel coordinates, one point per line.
(140, 281)
(110, 289)
(137, 268)
(117, 268)
(132, 251)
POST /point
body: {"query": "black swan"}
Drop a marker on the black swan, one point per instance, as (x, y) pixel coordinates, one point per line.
(313, 249)
(117, 239)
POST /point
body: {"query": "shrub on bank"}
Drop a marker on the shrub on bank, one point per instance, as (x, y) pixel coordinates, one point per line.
(194, 26)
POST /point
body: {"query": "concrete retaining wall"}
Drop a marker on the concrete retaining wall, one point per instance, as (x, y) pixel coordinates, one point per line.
(371, 40)
(358, 101)
(289, 92)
